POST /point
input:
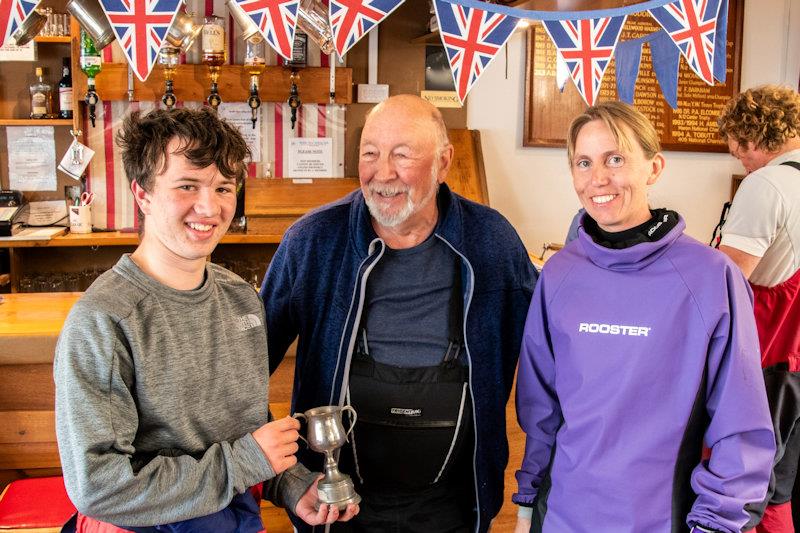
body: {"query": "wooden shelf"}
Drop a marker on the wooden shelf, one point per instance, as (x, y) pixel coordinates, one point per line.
(35, 122)
(192, 83)
(118, 238)
(52, 39)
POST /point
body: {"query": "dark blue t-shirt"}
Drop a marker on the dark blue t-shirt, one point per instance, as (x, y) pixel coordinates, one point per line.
(408, 305)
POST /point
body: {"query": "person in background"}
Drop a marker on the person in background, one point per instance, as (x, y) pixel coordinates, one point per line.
(161, 368)
(762, 236)
(639, 348)
(408, 303)
(572, 232)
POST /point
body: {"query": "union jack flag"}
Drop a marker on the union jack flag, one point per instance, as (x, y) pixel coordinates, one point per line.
(140, 27)
(692, 25)
(12, 14)
(350, 20)
(472, 37)
(276, 19)
(586, 46)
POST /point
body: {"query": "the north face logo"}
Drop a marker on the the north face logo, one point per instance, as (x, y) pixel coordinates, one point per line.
(245, 322)
(614, 329)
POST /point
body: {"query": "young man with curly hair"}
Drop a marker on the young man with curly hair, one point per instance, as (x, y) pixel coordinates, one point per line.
(161, 370)
(762, 235)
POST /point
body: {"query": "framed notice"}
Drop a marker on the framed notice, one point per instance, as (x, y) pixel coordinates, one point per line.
(310, 157)
(690, 127)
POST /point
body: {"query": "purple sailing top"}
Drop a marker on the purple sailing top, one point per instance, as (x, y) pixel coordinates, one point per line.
(631, 359)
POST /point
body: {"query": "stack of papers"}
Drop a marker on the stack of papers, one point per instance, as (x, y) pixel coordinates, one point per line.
(36, 234)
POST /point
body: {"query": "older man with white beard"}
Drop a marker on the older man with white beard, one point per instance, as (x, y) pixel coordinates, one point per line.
(409, 303)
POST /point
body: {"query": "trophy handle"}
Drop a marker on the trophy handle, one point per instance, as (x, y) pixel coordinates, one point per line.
(353, 423)
(299, 416)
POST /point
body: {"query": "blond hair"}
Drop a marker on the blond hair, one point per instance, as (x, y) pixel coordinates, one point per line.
(615, 114)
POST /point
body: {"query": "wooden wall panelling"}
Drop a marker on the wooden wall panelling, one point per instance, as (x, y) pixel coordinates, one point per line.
(467, 175)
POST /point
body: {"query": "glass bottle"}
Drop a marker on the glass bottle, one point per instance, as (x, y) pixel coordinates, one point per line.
(312, 19)
(41, 97)
(90, 57)
(91, 65)
(213, 43)
(65, 91)
(254, 64)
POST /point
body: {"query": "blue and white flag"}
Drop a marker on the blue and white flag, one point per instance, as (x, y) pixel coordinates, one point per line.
(140, 27)
(12, 14)
(692, 25)
(587, 47)
(276, 20)
(350, 20)
(472, 37)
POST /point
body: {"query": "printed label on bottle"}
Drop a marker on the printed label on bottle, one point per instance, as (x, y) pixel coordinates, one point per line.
(213, 38)
(90, 61)
(38, 104)
(255, 61)
(65, 98)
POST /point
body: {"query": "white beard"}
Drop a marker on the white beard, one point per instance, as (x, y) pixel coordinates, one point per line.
(391, 220)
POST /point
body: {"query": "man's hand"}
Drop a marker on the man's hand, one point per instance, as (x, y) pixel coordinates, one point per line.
(523, 525)
(327, 514)
(278, 441)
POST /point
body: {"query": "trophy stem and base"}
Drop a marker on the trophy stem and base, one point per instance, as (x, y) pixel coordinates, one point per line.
(336, 488)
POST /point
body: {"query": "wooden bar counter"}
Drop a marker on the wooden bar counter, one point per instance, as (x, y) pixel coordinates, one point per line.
(29, 328)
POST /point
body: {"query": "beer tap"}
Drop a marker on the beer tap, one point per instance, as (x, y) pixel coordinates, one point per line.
(255, 53)
(294, 97)
(168, 58)
(91, 65)
(96, 34)
(214, 55)
(179, 39)
(255, 64)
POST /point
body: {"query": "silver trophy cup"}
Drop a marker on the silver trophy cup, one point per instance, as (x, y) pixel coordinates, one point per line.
(326, 434)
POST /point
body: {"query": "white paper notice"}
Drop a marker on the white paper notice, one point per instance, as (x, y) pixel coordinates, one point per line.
(47, 213)
(310, 157)
(240, 116)
(31, 158)
(12, 52)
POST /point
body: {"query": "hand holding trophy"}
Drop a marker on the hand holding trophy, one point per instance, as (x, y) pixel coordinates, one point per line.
(325, 435)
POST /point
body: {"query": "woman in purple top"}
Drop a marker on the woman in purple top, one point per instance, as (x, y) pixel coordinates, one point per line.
(639, 348)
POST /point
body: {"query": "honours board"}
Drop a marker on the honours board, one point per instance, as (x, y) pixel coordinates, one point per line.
(690, 127)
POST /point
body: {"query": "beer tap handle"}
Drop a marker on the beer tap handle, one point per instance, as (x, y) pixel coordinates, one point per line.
(91, 102)
(214, 98)
(294, 101)
(169, 97)
(254, 102)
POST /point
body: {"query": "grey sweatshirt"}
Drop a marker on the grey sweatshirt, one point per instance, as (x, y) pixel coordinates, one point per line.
(157, 392)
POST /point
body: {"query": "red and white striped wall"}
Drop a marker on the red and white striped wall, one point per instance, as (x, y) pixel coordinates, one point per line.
(114, 207)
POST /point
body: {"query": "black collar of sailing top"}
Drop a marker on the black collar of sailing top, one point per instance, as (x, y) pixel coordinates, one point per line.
(660, 223)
